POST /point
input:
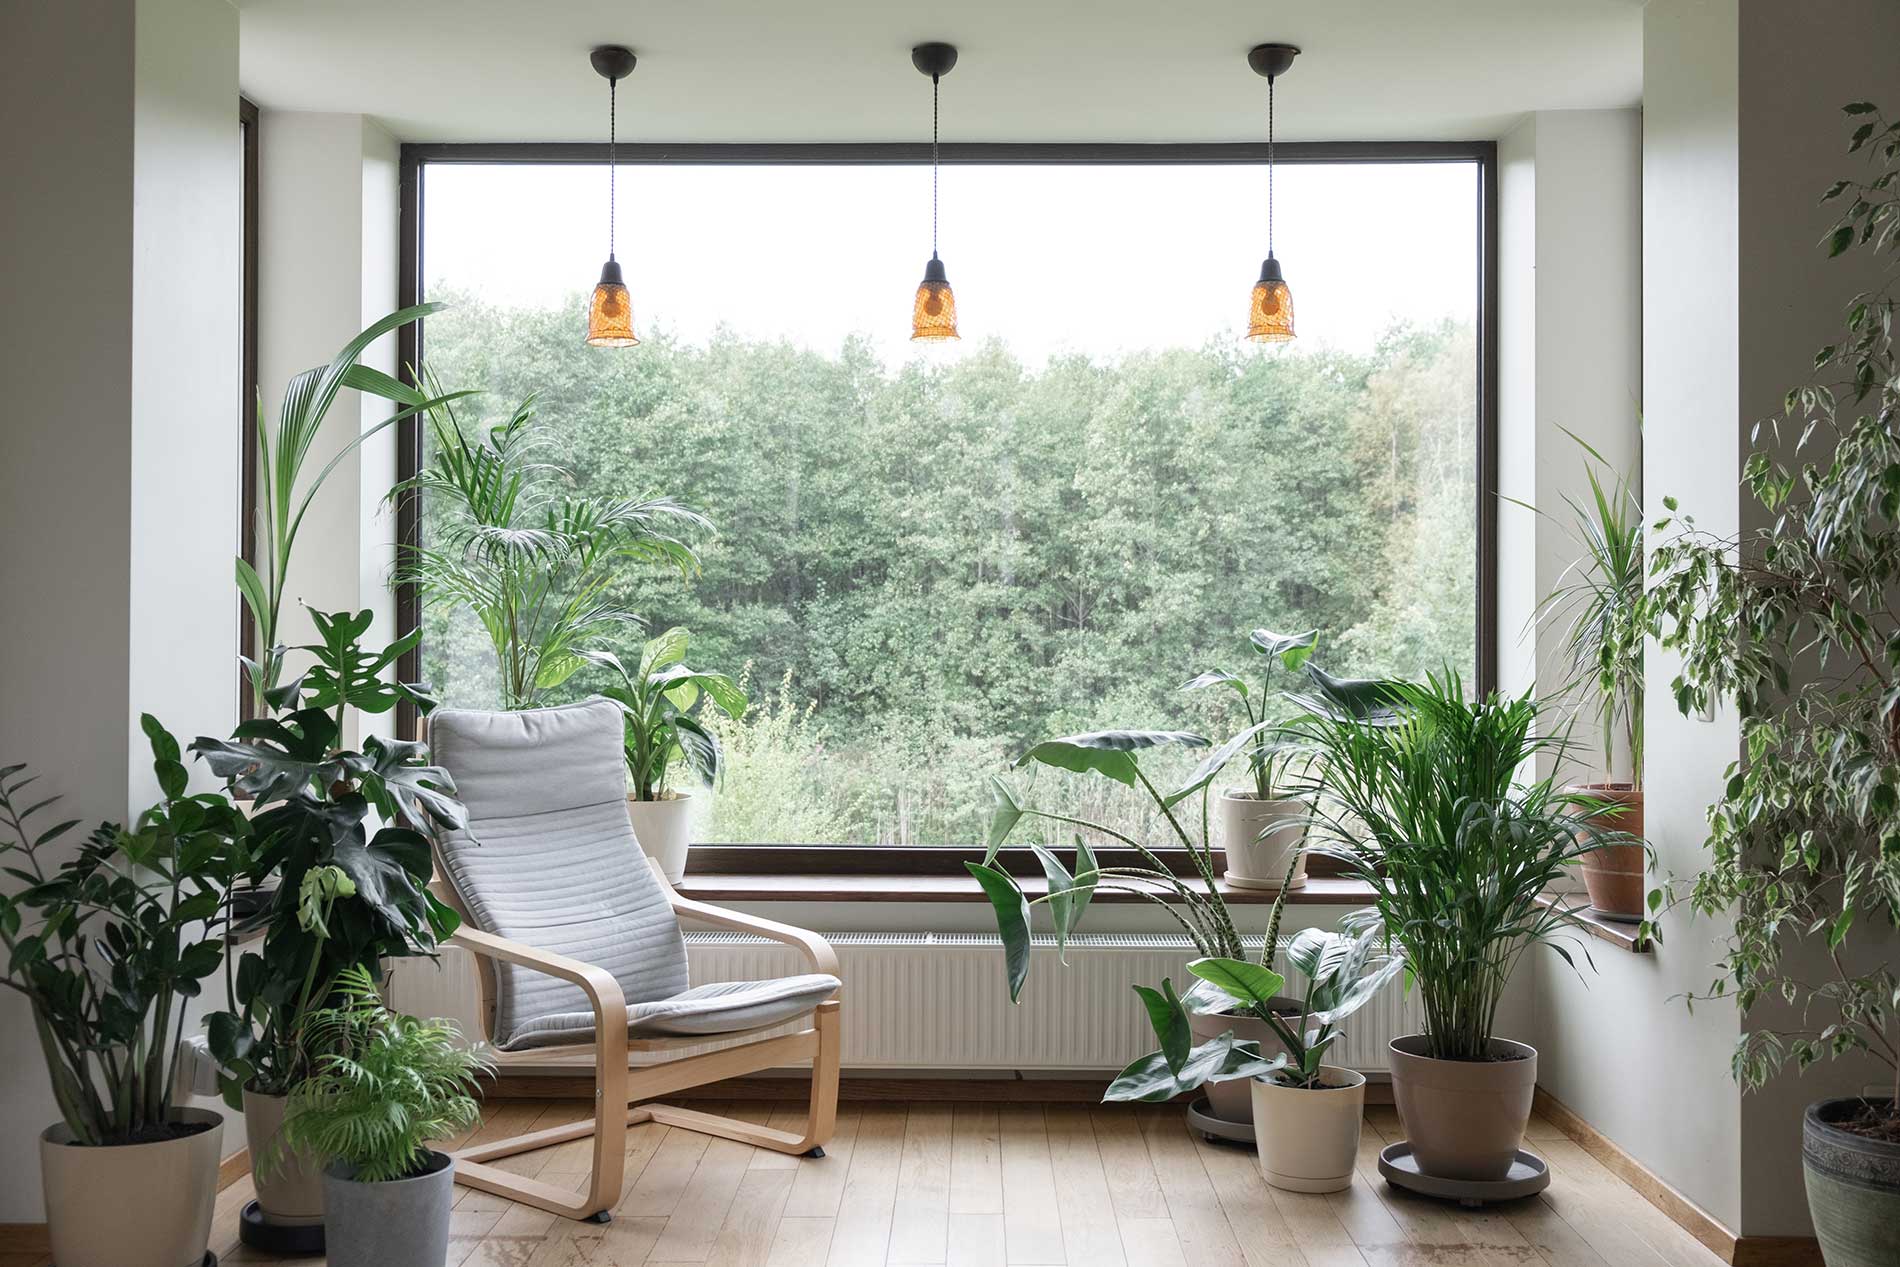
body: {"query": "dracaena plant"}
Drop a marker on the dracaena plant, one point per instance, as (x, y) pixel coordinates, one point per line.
(1795, 623)
(341, 850)
(108, 944)
(1419, 793)
(284, 495)
(531, 559)
(1266, 759)
(660, 696)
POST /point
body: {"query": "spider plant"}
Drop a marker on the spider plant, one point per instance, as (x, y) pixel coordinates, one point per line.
(1599, 603)
(530, 559)
(1416, 793)
(284, 496)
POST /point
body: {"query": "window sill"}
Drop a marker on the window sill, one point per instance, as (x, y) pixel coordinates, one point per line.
(894, 887)
(1610, 931)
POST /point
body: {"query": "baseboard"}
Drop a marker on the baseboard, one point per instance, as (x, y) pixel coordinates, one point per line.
(1741, 1251)
(234, 1168)
(24, 1238)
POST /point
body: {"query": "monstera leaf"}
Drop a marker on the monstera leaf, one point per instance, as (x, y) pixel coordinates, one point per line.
(272, 759)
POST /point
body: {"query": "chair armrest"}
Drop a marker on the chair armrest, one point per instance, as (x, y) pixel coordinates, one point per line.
(602, 990)
(817, 952)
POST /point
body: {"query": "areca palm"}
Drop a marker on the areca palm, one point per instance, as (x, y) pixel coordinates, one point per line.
(531, 559)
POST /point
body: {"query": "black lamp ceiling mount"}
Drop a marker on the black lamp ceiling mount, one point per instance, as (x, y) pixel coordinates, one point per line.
(934, 59)
(613, 61)
(1271, 60)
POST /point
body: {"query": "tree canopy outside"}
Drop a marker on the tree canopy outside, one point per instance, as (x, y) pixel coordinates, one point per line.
(922, 569)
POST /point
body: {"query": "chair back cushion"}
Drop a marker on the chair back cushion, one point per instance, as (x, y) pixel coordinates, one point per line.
(549, 857)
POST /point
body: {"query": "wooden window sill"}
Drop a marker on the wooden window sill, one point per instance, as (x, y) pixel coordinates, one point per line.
(895, 887)
(1610, 931)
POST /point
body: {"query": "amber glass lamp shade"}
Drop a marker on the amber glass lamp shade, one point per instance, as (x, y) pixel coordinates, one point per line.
(610, 313)
(933, 316)
(1270, 317)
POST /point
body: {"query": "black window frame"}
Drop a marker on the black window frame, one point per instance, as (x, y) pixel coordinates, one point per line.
(932, 859)
(248, 130)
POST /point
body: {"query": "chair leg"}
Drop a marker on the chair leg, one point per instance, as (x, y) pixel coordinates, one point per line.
(821, 1120)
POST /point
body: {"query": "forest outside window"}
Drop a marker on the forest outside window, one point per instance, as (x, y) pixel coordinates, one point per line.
(928, 558)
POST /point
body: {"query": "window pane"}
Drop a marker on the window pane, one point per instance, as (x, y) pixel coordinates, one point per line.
(930, 556)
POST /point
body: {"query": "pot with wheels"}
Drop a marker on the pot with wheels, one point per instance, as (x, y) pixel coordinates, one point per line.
(1232, 1101)
(1464, 1119)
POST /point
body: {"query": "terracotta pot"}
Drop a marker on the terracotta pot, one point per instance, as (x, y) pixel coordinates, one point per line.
(1308, 1138)
(1465, 1119)
(291, 1193)
(664, 829)
(1259, 838)
(1614, 875)
(1231, 1101)
(1853, 1186)
(131, 1205)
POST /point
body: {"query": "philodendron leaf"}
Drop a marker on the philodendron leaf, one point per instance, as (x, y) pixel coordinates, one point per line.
(1215, 761)
(1004, 816)
(1292, 650)
(1106, 752)
(1248, 982)
(1215, 677)
(1068, 898)
(1012, 922)
(1169, 1021)
(1219, 1060)
(1374, 701)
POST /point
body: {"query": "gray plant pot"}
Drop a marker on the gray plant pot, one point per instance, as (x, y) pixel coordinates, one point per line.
(1853, 1187)
(400, 1223)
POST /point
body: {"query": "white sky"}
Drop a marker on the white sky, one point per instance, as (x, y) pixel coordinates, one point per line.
(1099, 260)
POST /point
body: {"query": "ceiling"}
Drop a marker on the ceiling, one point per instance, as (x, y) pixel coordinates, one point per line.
(1041, 70)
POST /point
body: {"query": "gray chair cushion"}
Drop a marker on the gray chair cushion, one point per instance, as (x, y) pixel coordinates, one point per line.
(550, 858)
(724, 1007)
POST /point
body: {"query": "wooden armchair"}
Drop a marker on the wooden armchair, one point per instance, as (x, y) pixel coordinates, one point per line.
(578, 936)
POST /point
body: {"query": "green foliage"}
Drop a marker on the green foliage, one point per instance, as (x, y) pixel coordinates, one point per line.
(283, 497)
(1794, 622)
(385, 1087)
(1264, 757)
(952, 561)
(532, 561)
(340, 847)
(107, 946)
(660, 696)
(1415, 792)
(1600, 603)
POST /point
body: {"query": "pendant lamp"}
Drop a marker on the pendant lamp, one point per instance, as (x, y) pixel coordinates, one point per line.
(610, 312)
(933, 315)
(1270, 315)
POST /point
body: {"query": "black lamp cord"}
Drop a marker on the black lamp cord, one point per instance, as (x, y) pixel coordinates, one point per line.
(1270, 79)
(933, 166)
(613, 86)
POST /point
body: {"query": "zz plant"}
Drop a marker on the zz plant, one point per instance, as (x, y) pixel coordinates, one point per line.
(1804, 843)
(341, 850)
(108, 945)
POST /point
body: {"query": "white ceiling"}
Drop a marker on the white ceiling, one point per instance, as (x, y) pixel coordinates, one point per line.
(839, 70)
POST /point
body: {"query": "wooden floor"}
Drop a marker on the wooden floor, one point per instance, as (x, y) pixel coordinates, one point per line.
(971, 1184)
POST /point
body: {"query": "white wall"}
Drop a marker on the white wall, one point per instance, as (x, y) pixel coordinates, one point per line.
(327, 213)
(118, 490)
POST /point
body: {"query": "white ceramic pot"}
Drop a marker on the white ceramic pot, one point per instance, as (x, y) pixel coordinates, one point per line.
(132, 1205)
(664, 829)
(1260, 838)
(1308, 1139)
(290, 1193)
(1229, 1100)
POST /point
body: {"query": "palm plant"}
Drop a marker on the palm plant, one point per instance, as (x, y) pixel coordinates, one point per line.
(1599, 601)
(1415, 792)
(659, 696)
(284, 497)
(531, 560)
(387, 1086)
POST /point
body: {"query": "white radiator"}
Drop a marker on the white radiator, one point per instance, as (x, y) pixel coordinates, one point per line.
(939, 1001)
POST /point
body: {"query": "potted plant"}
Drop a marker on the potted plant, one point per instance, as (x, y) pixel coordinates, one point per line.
(1599, 600)
(341, 867)
(106, 947)
(1261, 827)
(1415, 795)
(1802, 842)
(384, 1088)
(532, 561)
(659, 696)
(1209, 1037)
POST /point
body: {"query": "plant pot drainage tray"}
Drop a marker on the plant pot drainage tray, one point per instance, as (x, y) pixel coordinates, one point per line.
(1200, 1116)
(1528, 1175)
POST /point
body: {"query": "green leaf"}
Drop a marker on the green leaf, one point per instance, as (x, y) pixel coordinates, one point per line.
(1838, 933)
(1222, 1059)
(1067, 898)
(1250, 983)
(1005, 813)
(1293, 650)
(1215, 761)
(1216, 677)
(1169, 1021)
(1106, 752)
(1840, 240)
(1012, 922)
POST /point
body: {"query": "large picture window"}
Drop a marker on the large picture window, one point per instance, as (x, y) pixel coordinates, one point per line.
(927, 557)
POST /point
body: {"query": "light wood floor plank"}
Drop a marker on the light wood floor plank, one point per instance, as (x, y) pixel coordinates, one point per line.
(696, 1220)
(862, 1235)
(1131, 1172)
(976, 1161)
(1266, 1238)
(819, 1182)
(1032, 1227)
(1152, 1243)
(977, 1240)
(1083, 1204)
(1199, 1222)
(801, 1241)
(920, 1217)
(751, 1226)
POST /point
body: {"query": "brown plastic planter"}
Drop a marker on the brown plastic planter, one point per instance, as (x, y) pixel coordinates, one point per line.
(1464, 1118)
(1615, 875)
